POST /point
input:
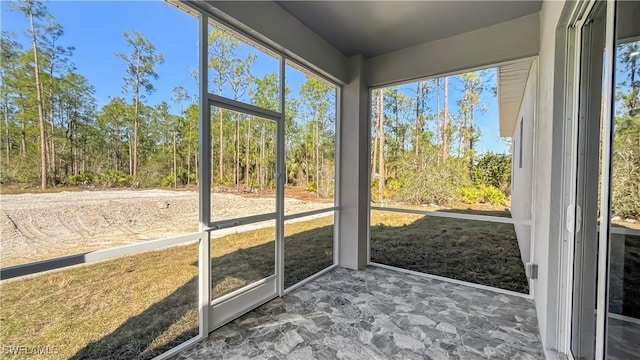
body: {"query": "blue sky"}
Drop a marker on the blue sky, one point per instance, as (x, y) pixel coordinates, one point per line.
(488, 121)
(95, 29)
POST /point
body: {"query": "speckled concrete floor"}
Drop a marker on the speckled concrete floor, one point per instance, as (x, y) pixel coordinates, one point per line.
(380, 314)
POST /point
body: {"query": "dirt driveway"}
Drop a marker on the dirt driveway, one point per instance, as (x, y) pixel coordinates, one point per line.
(42, 226)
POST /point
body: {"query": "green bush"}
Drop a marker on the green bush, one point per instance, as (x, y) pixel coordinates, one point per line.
(431, 182)
(114, 178)
(470, 195)
(312, 187)
(84, 178)
(492, 169)
(167, 181)
(492, 195)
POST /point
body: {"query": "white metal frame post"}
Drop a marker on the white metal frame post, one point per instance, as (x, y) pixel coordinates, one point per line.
(204, 182)
(280, 171)
(605, 177)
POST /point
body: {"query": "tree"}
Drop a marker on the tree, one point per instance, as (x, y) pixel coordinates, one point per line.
(141, 63)
(9, 63)
(381, 168)
(314, 99)
(470, 103)
(222, 47)
(180, 95)
(36, 11)
(265, 95)
(445, 121)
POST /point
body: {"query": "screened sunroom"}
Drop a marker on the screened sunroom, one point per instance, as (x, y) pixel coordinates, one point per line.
(320, 180)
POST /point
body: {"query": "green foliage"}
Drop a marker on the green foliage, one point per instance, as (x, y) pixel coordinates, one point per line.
(312, 186)
(470, 195)
(493, 170)
(428, 181)
(167, 181)
(492, 195)
(84, 178)
(625, 201)
(485, 194)
(114, 178)
(131, 142)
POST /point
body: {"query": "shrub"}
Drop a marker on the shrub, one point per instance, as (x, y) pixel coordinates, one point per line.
(434, 183)
(470, 195)
(84, 178)
(312, 187)
(167, 181)
(111, 178)
(492, 195)
(492, 169)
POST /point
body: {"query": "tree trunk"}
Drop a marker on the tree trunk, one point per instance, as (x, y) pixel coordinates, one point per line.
(417, 123)
(375, 147)
(175, 162)
(261, 162)
(445, 121)
(439, 132)
(236, 153)
(189, 158)
(130, 157)
(135, 133)
(246, 156)
(36, 69)
(220, 148)
(6, 131)
(317, 156)
(23, 138)
(381, 170)
(52, 145)
(261, 170)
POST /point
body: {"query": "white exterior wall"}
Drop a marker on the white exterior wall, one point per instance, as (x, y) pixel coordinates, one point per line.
(522, 165)
(547, 179)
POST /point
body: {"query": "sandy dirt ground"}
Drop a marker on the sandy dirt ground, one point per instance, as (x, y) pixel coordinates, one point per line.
(43, 226)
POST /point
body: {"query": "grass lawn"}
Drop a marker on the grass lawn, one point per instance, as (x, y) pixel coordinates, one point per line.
(139, 306)
(475, 251)
(624, 288)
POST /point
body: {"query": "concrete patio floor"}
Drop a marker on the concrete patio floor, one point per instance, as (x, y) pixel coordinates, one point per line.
(380, 314)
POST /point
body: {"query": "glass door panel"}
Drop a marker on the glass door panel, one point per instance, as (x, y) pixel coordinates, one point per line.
(243, 211)
(583, 335)
(623, 325)
(243, 164)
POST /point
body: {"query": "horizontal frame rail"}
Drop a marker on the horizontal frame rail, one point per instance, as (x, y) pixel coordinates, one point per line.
(94, 256)
(619, 230)
(310, 213)
(243, 290)
(488, 218)
(237, 106)
(230, 223)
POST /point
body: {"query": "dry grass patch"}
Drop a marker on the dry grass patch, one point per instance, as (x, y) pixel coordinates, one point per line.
(133, 307)
(139, 306)
(475, 251)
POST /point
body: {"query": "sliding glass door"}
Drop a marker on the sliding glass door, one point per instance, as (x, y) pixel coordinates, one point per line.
(606, 271)
(587, 180)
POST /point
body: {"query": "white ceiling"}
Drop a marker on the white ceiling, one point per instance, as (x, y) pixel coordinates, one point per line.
(373, 28)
